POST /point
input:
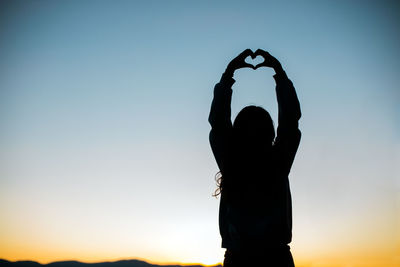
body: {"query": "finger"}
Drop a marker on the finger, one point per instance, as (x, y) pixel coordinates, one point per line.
(260, 65)
(247, 65)
(261, 53)
(246, 53)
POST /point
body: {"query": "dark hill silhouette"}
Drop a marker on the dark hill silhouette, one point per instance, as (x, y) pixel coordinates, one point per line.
(122, 263)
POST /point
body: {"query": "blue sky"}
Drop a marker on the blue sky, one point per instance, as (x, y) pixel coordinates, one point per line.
(104, 132)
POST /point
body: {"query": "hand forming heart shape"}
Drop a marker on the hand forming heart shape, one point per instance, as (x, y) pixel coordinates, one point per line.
(240, 61)
(254, 60)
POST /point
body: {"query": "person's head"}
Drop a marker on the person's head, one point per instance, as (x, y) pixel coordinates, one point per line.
(254, 127)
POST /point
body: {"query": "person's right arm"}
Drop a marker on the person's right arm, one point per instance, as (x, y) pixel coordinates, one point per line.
(289, 113)
(288, 134)
(288, 103)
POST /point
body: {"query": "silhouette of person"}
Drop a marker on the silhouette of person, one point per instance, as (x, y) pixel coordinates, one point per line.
(255, 212)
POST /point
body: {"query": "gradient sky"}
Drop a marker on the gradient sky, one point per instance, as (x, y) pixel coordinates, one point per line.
(104, 133)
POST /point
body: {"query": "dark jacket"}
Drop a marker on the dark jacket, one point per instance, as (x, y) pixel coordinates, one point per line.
(259, 213)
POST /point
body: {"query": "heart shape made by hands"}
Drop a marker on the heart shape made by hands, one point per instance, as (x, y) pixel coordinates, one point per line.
(254, 60)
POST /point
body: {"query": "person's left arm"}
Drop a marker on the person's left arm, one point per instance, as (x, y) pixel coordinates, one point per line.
(220, 113)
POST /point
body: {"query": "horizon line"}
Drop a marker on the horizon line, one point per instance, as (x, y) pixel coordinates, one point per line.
(118, 260)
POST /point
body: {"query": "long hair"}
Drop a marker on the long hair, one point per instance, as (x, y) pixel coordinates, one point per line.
(253, 130)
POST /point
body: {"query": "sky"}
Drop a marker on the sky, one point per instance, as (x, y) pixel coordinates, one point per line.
(104, 132)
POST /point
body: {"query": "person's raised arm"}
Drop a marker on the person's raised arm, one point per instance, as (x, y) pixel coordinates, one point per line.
(220, 113)
(288, 133)
(288, 103)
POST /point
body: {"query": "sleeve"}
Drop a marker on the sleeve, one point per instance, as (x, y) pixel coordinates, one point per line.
(288, 133)
(220, 121)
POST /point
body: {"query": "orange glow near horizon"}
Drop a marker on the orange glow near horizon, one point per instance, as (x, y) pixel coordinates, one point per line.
(364, 261)
(371, 244)
(337, 259)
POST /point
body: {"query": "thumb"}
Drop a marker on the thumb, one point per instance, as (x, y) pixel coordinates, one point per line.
(260, 65)
(247, 65)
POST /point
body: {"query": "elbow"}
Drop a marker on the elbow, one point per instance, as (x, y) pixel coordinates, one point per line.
(298, 110)
(211, 119)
